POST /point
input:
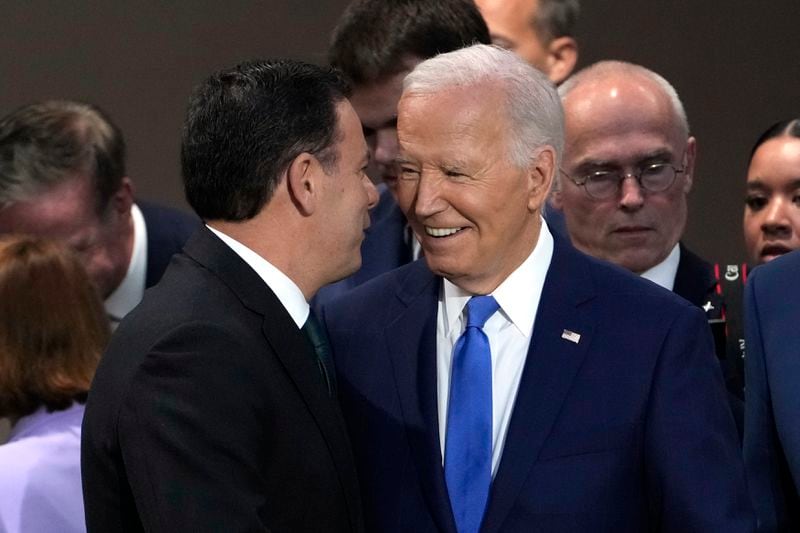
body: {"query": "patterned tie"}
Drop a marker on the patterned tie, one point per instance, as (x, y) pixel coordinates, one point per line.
(468, 441)
(315, 334)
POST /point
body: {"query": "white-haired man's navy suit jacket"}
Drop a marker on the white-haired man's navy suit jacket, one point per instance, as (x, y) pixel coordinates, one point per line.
(772, 396)
(626, 430)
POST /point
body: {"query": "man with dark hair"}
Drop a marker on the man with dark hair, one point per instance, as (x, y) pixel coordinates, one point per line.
(210, 411)
(62, 176)
(376, 43)
(542, 32)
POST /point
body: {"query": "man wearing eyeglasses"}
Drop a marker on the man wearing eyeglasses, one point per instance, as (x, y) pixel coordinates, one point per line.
(627, 170)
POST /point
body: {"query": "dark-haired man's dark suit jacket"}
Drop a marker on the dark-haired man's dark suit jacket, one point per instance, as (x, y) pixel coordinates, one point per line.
(625, 430)
(772, 416)
(208, 412)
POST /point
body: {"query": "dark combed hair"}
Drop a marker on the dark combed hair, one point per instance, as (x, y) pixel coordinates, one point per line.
(53, 327)
(556, 18)
(374, 38)
(245, 125)
(787, 128)
(46, 143)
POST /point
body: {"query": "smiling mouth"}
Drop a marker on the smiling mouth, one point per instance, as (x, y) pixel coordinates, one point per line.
(441, 232)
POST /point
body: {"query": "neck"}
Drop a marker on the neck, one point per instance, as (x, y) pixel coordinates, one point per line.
(285, 249)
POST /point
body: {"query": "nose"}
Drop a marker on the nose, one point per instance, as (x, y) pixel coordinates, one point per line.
(386, 147)
(372, 193)
(428, 200)
(775, 217)
(631, 197)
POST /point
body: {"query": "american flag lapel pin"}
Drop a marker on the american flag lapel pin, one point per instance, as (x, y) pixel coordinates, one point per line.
(571, 336)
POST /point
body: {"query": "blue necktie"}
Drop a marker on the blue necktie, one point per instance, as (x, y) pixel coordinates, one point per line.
(468, 441)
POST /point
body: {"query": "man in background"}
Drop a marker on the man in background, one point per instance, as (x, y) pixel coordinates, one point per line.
(542, 32)
(214, 408)
(376, 43)
(627, 172)
(63, 176)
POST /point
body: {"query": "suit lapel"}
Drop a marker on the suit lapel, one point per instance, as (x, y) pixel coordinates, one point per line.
(411, 340)
(297, 358)
(694, 279)
(550, 368)
(287, 342)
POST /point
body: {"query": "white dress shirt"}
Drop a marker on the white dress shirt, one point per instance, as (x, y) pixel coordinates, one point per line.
(289, 294)
(509, 331)
(130, 292)
(664, 273)
(40, 474)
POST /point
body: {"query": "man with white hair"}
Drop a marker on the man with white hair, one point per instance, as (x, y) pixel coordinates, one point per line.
(508, 382)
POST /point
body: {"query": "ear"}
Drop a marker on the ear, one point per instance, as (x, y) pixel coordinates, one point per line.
(689, 161)
(302, 182)
(562, 54)
(122, 201)
(540, 177)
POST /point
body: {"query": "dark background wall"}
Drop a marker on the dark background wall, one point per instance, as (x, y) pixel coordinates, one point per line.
(736, 66)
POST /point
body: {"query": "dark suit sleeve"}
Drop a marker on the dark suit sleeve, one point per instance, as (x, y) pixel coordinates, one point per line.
(761, 445)
(191, 429)
(694, 465)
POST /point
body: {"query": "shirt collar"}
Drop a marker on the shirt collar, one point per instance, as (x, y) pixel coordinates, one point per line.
(129, 293)
(289, 294)
(664, 272)
(518, 295)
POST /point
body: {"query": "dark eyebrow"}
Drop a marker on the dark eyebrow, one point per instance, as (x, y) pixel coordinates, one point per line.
(756, 185)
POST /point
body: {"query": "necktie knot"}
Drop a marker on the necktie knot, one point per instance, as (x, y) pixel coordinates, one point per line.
(479, 309)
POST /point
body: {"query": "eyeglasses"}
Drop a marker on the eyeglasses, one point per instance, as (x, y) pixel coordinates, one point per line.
(605, 184)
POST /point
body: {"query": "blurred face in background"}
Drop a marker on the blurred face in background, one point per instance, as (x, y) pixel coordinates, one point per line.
(772, 204)
(67, 212)
(376, 106)
(512, 26)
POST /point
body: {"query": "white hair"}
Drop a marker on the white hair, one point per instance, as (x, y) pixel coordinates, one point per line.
(536, 118)
(605, 69)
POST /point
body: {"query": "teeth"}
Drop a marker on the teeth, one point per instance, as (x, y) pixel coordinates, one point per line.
(440, 232)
